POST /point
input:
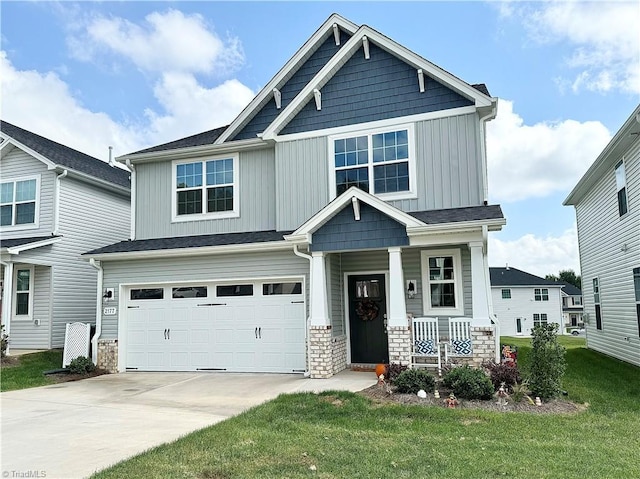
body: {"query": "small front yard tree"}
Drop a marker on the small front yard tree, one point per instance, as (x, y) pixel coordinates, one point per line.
(547, 364)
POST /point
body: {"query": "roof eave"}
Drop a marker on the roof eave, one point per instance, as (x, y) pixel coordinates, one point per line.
(457, 227)
(108, 185)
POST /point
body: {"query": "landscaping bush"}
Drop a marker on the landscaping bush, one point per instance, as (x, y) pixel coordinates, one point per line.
(394, 370)
(468, 383)
(499, 373)
(413, 380)
(81, 365)
(546, 363)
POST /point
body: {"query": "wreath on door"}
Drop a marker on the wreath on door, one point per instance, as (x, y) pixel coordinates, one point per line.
(367, 310)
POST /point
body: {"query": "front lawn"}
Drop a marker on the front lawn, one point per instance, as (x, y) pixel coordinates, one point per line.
(28, 372)
(344, 435)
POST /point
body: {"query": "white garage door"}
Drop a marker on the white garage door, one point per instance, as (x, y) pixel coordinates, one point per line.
(249, 326)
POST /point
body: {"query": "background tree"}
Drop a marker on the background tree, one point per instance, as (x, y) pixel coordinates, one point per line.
(568, 276)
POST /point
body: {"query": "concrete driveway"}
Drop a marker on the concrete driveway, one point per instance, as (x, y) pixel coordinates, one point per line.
(71, 430)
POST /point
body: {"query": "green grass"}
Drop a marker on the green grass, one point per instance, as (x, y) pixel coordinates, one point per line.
(346, 436)
(28, 373)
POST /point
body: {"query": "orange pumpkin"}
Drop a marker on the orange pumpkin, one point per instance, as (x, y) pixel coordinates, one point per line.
(381, 369)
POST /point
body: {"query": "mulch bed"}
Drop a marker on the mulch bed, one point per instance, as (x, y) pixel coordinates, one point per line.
(67, 377)
(9, 361)
(379, 394)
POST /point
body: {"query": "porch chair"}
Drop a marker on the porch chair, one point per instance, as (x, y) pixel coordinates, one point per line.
(459, 344)
(426, 343)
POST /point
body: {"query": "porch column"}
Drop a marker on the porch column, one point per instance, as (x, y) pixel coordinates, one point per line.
(7, 299)
(397, 304)
(319, 311)
(480, 288)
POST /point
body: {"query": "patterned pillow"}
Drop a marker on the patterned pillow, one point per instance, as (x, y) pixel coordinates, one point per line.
(461, 346)
(425, 346)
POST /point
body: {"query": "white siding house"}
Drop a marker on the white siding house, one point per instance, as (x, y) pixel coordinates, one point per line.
(57, 203)
(607, 204)
(522, 300)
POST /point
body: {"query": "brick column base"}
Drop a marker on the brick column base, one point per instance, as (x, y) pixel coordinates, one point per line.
(339, 353)
(399, 345)
(320, 352)
(108, 355)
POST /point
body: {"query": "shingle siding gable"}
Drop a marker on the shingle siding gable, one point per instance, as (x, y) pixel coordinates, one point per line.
(292, 87)
(380, 88)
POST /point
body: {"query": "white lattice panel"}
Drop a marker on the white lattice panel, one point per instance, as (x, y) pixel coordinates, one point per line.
(76, 342)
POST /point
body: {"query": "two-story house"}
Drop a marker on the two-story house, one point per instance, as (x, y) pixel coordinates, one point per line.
(607, 205)
(522, 300)
(55, 204)
(572, 307)
(349, 194)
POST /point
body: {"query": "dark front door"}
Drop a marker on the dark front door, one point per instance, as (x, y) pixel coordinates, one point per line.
(367, 319)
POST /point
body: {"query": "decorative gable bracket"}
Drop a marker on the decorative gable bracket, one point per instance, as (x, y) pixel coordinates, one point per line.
(277, 96)
(421, 80)
(365, 45)
(336, 34)
(318, 97)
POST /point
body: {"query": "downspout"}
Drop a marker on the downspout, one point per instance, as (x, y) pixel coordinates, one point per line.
(56, 215)
(492, 315)
(307, 373)
(7, 300)
(483, 152)
(133, 199)
(94, 340)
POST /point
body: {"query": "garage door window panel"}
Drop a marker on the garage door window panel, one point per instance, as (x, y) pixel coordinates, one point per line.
(147, 293)
(234, 290)
(269, 289)
(189, 292)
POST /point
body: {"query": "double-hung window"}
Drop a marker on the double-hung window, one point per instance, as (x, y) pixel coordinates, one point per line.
(539, 319)
(380, 162)
(205, 189)
(23, 292)
(19, 202)
(541, 294)
(442, 282)
(621, 187)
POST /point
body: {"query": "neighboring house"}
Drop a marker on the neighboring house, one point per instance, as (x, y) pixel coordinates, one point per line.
(350, 193)
(571, 306)
(56, 203)
(522, 300)
(607, 204)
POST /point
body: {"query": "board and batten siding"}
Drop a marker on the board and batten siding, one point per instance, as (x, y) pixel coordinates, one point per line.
(256, 195)
(26, 334)
(602, 233)
(448, 170)
(336, 294)
(17, 164)
(196, 268)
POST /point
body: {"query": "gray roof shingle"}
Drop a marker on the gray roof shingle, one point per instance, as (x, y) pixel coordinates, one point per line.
(570, 289)
(455, 215)
(515, 277)
(200, 139)
(198, 241)
(13, 242)
(67, 157)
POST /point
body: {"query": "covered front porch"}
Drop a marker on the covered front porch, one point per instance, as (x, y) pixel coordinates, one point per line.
(373, 268)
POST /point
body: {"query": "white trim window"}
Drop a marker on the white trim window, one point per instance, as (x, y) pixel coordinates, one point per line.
(541, 294)
(23, 292)
(506, 293)
(539, 319)
(442, 282)
(19, 203)
(380, 162)
(205, 189)
(621, 188)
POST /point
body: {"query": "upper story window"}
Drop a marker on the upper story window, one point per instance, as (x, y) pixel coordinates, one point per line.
(506, 294)
(541, 294)
(205, 189)
(442, 280)
(19, 203)
(380, 162)
(577, 300)
(621, 187)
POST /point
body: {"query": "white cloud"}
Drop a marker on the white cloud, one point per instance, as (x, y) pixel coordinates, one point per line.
(537, 255)
(529, 161)
(603, 36)
(165, 42)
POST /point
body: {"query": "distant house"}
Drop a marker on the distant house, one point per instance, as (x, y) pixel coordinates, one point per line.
(607, 204)
(522, 300)
(572, 306)
(56, 203)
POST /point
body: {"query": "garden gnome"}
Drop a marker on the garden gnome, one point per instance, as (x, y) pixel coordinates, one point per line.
(538, 402)
(502, 396)
(451, 401)
(436, 394)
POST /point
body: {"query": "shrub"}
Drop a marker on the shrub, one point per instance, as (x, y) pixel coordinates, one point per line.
(81, 365)
(519, 391)
(468, 383)
(413, 380)
(547, 363)
(499, 373)
(394, 370)
(4, 341)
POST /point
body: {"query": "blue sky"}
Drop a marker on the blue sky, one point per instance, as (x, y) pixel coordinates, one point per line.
(135, 74)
